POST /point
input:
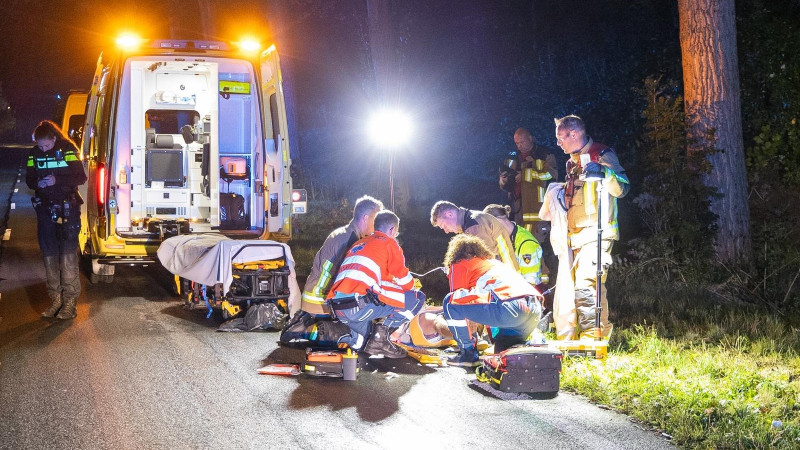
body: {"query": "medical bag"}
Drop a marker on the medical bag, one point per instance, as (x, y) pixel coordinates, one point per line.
(232, 214)
(522, 369)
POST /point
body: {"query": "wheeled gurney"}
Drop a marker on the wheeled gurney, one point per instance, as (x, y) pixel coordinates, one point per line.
(217, 272)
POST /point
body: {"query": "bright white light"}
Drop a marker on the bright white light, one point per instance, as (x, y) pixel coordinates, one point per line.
(128, 41)
(250, 45)
(390, 128)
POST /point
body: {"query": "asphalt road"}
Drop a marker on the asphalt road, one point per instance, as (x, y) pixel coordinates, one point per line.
(135, 370)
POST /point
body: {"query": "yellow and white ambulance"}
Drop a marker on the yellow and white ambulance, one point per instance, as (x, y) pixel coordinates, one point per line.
(183, 136)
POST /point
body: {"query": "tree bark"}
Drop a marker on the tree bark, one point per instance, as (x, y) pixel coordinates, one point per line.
(712, 103)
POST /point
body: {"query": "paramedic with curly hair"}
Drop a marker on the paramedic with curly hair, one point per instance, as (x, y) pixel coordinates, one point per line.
(488, 292)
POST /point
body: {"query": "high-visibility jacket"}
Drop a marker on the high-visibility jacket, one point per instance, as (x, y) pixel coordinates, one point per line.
(536, 174)
(63, 163)
(581, 196)
(529, 254)
(491, 232)
(471, 281)
(375, 262)
(326, 264)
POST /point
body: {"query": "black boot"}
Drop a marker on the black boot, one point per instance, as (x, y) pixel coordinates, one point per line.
(378, 343)
(52, 270)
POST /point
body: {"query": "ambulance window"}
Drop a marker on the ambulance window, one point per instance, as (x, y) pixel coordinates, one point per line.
(74, 127)
(273, 112)
(169, 121)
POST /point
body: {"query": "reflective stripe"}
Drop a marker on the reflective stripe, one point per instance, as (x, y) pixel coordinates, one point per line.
(531, 175)
(30, 161)
(407, 314)
(362, 261)
(405, 280)
(360, 276)
(530, 217)
(311, 298)
(456, 323)
(70, 157)
(323, 278)
(502, 248)
(396, 296)
(50, 164)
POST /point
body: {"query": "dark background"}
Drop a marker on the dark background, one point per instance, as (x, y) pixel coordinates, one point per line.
(467, 72)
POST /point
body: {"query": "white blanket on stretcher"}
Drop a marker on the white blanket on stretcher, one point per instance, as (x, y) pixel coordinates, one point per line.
(208, 258)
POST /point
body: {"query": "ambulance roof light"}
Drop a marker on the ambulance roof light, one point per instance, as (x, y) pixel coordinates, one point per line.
(128, 41)
(249, 45)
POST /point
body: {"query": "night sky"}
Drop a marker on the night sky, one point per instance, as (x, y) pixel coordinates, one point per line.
(468, 72)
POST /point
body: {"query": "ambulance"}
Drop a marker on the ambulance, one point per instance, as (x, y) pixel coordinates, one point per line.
(182, 136)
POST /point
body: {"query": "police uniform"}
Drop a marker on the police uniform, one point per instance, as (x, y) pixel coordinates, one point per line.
(58, 219)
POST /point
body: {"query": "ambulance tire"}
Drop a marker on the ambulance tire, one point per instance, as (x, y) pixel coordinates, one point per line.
(96, 278)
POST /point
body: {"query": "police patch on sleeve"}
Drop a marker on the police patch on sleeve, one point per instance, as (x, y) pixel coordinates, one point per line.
(527, 258)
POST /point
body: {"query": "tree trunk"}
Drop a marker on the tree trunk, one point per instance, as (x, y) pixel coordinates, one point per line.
(712, 103)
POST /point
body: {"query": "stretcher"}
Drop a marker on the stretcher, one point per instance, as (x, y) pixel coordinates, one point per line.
(217, 272)
(425, 355)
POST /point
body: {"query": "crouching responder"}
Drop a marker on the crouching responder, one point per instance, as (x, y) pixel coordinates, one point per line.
(373, 282)
(330, 255)
(488, 292)
(54, 172)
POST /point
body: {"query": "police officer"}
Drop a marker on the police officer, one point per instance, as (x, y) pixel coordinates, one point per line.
(54, 172)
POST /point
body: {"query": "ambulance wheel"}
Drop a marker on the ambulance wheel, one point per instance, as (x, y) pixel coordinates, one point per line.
(101, 273)
(96, 278)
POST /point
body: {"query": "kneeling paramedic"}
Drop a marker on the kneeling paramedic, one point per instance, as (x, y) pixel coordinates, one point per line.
(54, 172)
(488, 292)
(373, 282)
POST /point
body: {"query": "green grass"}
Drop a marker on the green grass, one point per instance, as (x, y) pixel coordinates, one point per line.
(709, 373)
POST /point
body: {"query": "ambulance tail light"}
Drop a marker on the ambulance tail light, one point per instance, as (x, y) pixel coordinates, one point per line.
(102, 188)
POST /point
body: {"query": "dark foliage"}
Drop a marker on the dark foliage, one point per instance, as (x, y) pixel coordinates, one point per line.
(672, 200)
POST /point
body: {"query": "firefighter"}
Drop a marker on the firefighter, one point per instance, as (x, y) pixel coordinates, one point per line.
(54, 171)
(582, 202)
(330, 255)
(373, 282)
(524, 176)
(452, 219)
(486, 291)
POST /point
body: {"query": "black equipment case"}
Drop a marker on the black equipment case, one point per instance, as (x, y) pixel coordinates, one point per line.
(523, 369)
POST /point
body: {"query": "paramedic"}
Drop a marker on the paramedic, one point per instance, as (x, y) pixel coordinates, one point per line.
(54, 172)
(524, 176)
(452, 219)
(486, 291)
(374, 282)
(582, 203)
(330, 255)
